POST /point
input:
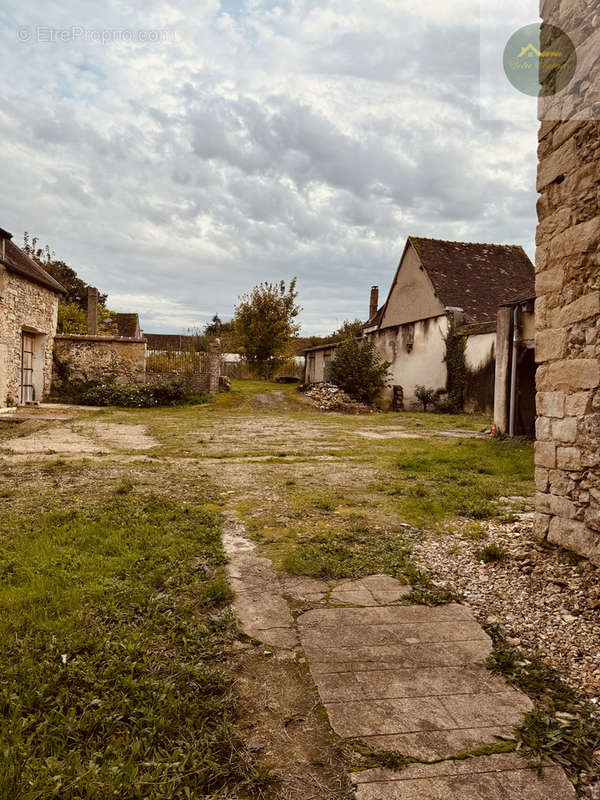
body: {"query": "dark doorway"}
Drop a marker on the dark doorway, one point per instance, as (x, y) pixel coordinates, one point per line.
(525, 411)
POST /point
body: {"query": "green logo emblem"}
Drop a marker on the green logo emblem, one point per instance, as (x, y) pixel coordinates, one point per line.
(540, 60)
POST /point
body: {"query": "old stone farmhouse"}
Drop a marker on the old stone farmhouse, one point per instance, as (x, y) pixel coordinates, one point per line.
(437, 281)
(28, 313)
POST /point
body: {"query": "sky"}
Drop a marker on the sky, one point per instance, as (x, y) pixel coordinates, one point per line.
(178, 153)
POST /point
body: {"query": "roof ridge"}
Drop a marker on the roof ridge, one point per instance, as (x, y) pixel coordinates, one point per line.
(455, 241)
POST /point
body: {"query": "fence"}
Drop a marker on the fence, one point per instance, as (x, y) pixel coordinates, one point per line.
(201, 371)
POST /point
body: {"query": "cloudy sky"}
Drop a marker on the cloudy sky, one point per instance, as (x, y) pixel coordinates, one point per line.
(177, 153)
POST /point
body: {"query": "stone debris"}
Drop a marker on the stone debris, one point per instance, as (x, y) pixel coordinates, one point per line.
(329, 397)
(539, 595)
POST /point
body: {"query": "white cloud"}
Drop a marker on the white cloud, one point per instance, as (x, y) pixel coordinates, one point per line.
(265, 140)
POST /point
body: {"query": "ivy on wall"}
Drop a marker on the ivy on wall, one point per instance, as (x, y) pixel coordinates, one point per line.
(456, 365)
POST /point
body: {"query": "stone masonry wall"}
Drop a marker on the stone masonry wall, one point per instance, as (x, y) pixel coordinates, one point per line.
(95, 358)
(24, 304)
(567, 453)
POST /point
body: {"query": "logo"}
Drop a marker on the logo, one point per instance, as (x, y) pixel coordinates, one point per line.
(540, 60)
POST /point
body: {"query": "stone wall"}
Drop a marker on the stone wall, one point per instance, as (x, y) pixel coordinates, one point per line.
(568, 299)
(95, 358)
(25, 306)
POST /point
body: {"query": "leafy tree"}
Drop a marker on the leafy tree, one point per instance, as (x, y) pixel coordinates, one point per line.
(263, 325)
(348, 329)
(359, 370)
(67, 277)
(73, 319)
(425, 396)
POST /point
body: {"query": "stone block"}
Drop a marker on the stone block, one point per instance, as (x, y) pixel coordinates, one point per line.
(541, 479)
(577, 404)
(561, 482)
(545, 454)
(564, 430)
(550, 404)
(543, 429)
(540, 527)
(578, 239)
(550, 344)
(560, 163)
(575, 373)
(575, 535)
(550, 280)
(583, 308)
(568, 458)
(592, 518)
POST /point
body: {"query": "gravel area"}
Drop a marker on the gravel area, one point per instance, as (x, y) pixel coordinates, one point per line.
(537, 595)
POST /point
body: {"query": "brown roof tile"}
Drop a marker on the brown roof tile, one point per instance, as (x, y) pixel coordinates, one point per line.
(475, 277)
(19, 262)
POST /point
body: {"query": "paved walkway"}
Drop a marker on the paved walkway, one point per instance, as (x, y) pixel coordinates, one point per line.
(406, 678)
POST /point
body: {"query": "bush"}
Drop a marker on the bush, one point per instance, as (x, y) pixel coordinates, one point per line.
(165, 393)
(359, 370)
(424, 396)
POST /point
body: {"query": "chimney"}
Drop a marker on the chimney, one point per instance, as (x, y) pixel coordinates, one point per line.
(4, 237)
(92, 311)
(374, 302)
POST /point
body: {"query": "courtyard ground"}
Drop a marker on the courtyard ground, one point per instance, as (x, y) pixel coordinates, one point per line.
(126, 674)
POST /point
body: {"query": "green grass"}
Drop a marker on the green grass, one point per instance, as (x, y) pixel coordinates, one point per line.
(492, 553)
(351, 553)
(112, 622)
(250, 387)
(464, 477)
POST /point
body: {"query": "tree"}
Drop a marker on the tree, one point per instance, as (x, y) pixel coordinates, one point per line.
(359, 370)
(263, 325)
(67, 277)
(425, 396)
(73, 319)
(348, 329)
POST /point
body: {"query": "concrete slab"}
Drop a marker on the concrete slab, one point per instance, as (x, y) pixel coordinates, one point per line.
(374, 590)
(258, 605)
(413, 679)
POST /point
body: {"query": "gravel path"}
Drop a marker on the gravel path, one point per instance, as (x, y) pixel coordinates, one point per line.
(537, 595)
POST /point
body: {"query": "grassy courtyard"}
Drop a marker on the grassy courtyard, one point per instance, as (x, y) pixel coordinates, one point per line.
(116, 633)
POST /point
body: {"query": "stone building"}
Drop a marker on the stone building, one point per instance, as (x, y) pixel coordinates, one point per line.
(28, 314)
(568, 295)
(437, 281)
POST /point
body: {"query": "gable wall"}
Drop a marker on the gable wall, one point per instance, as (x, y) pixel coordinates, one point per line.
(25, 304)
(412, 297)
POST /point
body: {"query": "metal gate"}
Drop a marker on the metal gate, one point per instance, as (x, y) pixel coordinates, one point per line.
(27, 390)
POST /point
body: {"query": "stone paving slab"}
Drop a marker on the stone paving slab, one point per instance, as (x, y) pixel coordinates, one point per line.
(413, 679)
(261, 610)
(497, 777)
(339, 686)
(408, 670)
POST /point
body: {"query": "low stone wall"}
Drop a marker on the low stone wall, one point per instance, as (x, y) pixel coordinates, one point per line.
(98, 358)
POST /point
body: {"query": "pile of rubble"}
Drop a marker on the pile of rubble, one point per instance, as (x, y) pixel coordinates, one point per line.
(329, 397)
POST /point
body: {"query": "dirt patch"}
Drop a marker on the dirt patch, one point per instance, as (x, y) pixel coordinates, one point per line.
(56, 439)
(120, 435)
(284, 722)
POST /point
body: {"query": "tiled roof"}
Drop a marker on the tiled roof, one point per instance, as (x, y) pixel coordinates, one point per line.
(478, 278)
(19, 262)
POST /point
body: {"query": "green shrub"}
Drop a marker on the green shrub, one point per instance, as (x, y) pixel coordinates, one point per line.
(359, 370)
(425, 396)
(108, 393)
